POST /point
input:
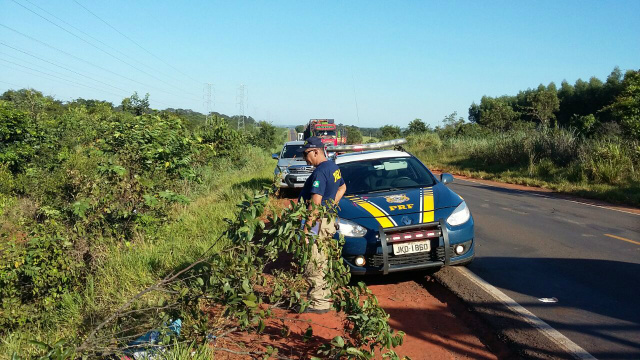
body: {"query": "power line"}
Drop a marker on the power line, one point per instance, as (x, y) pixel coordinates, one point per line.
(93, 45)
(8, 83)
(57, 77)
(66, 80)
(99, 41)
(133, 41)
(62, 67)
(85, 61)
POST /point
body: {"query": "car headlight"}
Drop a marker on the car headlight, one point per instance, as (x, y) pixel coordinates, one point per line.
(349, 228)
(460, 215)
(284, 170)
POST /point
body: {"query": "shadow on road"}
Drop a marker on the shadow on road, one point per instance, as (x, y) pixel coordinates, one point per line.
(596, 299)
(584, 288)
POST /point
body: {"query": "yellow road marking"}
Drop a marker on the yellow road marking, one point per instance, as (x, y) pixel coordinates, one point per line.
(623, 239)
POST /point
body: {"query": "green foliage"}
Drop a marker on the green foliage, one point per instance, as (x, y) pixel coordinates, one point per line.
(266, 136)
(493, 113)
(422, 142)
(31, 101)
(584, 106)
(608, 161)
(626, 107)
(219, 139)
(60, 350)
(416, 126)
(19, 135)
(35, 270)
(354, 136)
(389, 132)
(452, 125)
(557, 158)
(583, 123)
(75, 179)
(236, 277)
(544, 103)
(136, 105)
(232, 281)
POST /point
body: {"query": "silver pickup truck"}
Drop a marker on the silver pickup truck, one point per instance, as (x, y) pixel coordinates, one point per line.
(292, 168)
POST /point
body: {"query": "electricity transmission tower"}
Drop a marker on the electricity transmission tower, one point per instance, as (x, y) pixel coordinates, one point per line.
(240, 99)
(207, 101)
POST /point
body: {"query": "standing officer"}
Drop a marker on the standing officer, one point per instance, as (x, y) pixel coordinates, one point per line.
(324, 187)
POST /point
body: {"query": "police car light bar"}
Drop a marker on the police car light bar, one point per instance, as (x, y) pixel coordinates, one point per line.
(364, 147)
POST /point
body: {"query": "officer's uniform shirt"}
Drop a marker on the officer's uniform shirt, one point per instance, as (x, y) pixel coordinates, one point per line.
(325, 180)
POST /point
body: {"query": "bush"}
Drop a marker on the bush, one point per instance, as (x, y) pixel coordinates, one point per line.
(18, 135)
(502, 149)
(424, 142)
(218, 139)
(559, 146)
(607, 161)
(35, 270)
(75, 179)
(266, 136)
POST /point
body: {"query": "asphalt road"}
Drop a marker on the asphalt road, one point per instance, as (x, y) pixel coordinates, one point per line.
(588, 258)
(292, 135)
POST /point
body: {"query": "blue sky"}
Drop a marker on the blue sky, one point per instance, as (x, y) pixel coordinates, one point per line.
(398, 60)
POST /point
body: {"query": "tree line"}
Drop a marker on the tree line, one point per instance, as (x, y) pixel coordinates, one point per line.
(587, 107)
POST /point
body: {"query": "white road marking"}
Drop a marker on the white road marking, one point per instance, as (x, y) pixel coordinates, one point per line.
(569, 221)
(552, 334)
(514, 211)
(557, 198)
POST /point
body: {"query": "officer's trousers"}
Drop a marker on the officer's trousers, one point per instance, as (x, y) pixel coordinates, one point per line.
(319, 293)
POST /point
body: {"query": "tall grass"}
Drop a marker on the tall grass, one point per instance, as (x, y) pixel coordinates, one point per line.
(602, 168)
(127, 268)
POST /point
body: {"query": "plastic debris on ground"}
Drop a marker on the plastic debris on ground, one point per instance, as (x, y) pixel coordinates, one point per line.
(147, 346)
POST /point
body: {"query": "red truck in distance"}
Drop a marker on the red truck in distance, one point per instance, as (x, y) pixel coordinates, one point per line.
(326, 130)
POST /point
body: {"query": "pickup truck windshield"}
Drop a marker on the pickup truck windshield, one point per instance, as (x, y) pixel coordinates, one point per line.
(290, 151)
(385, 174)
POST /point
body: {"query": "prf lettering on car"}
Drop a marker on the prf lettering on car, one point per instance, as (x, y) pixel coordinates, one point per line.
(401, 207)
(336, 175)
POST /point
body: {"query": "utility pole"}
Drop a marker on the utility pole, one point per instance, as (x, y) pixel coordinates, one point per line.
(207, 101)
(240, 100)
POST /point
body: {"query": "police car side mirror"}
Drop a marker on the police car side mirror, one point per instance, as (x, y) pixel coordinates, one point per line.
(275, 156)
(446, 178)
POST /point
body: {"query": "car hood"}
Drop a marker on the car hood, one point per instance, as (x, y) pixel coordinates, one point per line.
(400, 207)
(291, 162)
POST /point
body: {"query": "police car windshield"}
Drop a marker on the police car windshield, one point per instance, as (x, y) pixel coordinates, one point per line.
(378, 175)
(290, 151)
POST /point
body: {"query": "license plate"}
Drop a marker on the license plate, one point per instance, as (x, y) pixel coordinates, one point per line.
(302, 178)
(411, 247)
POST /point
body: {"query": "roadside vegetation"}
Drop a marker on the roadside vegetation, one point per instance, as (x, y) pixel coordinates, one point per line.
(582, 139)
(86, 194)
(115, 221)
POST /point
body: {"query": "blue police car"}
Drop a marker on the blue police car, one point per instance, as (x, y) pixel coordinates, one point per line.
(396, 215)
